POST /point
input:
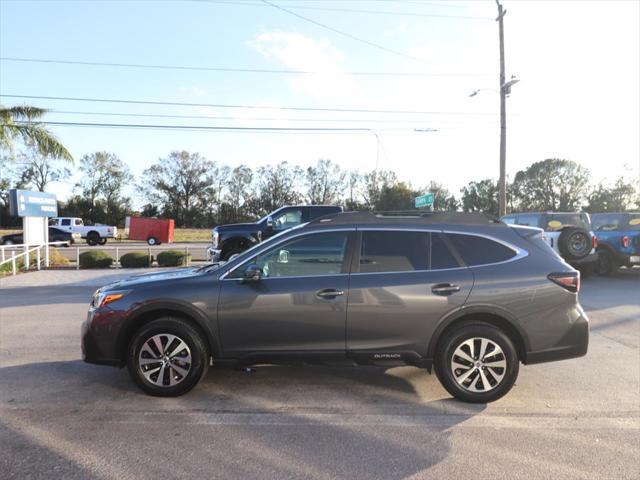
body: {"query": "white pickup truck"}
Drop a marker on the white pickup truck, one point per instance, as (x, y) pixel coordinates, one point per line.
(94, 234)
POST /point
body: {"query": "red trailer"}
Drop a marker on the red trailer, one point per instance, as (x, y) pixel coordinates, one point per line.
(154, 231)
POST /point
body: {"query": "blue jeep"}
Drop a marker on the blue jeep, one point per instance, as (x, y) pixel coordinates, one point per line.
(618, 240)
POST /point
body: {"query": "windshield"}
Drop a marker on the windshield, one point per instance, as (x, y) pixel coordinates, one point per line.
(246, 253)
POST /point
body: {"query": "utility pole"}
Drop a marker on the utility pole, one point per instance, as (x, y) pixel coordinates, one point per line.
(502, 182)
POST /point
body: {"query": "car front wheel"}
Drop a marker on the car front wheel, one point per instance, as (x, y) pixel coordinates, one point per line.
(167, 357)
(477, 363)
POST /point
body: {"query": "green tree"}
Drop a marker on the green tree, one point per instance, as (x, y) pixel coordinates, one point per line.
(373, 183)
(276, 186)
(480, 196)
(39, 170)
(399, 196)
(104, 179)
(21, 122)
(182, 185)
(325, 183)
(239, 191)
(443, 201)
(552, 184)
(619, 197)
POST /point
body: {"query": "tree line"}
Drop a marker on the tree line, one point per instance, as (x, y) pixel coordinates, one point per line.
(200, 193)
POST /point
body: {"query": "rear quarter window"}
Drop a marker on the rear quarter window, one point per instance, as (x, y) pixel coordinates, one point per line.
(476, 250)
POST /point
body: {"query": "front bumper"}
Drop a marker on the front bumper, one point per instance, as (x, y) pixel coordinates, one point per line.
(99, 333)
(213, 254)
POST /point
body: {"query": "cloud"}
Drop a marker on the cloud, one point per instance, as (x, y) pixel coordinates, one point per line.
(298, 52)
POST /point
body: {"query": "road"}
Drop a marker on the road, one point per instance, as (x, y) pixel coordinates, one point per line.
(61, 418)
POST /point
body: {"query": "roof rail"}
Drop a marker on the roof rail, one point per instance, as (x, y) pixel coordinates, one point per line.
(399, 216)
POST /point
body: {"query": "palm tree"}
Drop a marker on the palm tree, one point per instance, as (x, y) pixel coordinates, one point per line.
(22, 122)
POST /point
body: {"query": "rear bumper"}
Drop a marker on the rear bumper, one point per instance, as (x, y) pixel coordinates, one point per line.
(589, 259)
(574, 343)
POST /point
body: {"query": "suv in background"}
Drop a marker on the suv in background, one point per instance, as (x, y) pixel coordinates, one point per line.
(569, 234)
(618, 240)
(229, 240)
(460, 293)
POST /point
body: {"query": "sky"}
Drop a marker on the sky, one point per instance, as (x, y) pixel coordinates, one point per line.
(578, 98)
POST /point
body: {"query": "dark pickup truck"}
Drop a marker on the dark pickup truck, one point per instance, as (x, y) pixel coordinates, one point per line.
(228, 240)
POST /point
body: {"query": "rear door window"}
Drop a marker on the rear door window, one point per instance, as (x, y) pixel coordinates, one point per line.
(394, 251)
(441, 256)
(66, 222)
(476, 250)
(634, 222)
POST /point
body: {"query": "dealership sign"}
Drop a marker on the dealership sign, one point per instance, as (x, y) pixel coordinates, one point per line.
(25, 203)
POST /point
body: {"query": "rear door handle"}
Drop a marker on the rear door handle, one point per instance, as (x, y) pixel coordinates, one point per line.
(329, 293)
(445, 288)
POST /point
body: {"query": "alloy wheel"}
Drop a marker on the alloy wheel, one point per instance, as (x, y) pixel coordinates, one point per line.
(478, 365)
(164, 360)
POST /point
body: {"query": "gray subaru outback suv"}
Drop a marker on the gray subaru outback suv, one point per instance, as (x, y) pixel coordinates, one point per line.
(461, 294)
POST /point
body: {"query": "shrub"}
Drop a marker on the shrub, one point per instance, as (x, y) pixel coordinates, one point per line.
(95, 259)
(136, 260)
(56, 259)
(172, 258)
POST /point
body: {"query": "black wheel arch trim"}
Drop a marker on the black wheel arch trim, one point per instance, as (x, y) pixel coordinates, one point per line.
(478, 311)
(182, 309)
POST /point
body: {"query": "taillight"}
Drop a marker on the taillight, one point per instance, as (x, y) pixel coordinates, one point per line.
(594, 242)
(626, 241)
(567, 280)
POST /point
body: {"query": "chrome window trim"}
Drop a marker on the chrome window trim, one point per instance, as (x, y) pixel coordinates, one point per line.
(292, 237)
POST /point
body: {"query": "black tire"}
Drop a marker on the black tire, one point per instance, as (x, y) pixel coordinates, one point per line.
(7, 242)
(102, 241)
(196, 346)
(226, 255)
(574, 243)
(93, 238)
(605, 265)
(153, 241)
(454, 339)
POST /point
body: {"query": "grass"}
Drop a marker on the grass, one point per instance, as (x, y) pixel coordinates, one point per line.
(9, 232)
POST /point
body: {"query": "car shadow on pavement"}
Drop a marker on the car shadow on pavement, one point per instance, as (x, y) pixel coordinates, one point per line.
(297, 422)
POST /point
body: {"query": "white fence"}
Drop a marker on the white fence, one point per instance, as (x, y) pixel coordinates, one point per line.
(12, 253)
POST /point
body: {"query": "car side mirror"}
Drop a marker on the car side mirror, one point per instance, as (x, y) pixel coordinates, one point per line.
(252, 273)
(270, 222)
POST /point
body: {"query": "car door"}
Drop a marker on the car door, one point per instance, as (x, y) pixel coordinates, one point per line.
(402, 283)
(65, 225)
(299, 303)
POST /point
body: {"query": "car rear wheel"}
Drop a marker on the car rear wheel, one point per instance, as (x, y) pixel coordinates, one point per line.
(605, 265)
(477, 363)
(93, 238)
(167, 357)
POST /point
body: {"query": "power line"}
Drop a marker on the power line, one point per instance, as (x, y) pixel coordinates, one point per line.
(201, 127)
(352, 10)
(231, 70)
(345, 34)
(262, 107)
(216, 117)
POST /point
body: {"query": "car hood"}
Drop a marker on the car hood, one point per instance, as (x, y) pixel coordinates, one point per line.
(249, 227)
(147, 278)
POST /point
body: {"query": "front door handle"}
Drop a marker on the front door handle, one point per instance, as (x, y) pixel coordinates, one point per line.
(329, 293)
(445, 288)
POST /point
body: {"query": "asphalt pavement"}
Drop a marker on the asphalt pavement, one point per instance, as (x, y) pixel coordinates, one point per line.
(61, 418)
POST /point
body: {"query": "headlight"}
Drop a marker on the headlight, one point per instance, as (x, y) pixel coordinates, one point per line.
(101, 299)
(215, 236)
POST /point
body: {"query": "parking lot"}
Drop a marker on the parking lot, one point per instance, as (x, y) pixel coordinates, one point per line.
(62, 418)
